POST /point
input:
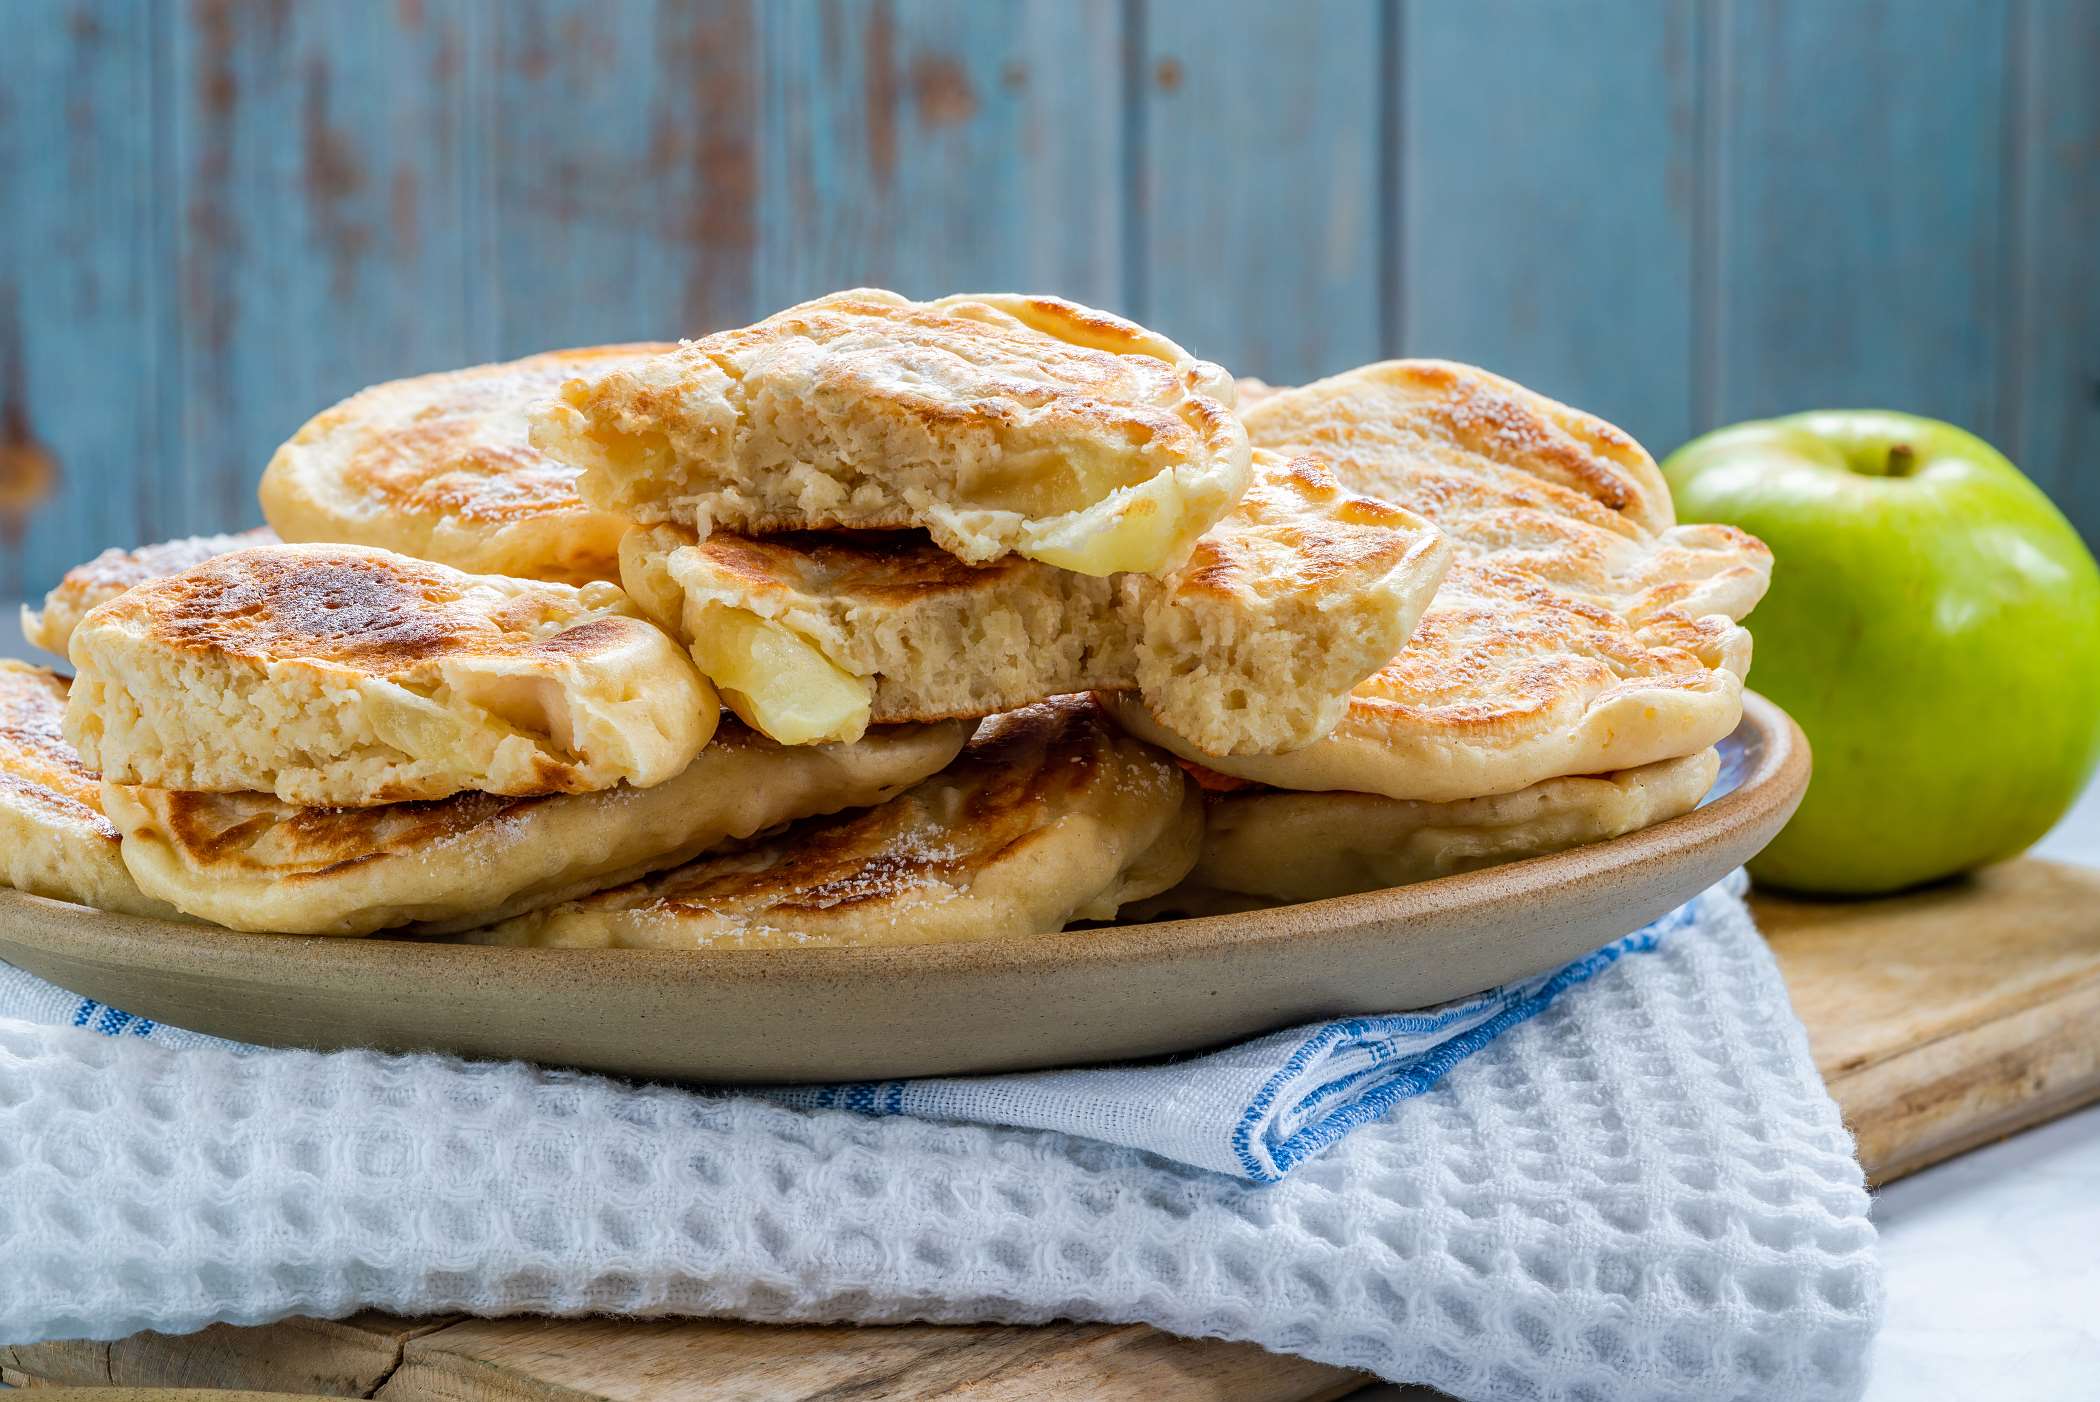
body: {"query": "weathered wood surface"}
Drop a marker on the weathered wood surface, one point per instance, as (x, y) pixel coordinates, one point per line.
(49, 1393)
(85, 279)
(331, 1358)
(704, 1360)
(2050, 417)
(618, 171)
(216, 216)
(334, 1358)
(603, 1360)
(939, 146)
(1940, 1020)
(1951, 1017)
(1259, 221)
(1550, 200)
(1861, 230)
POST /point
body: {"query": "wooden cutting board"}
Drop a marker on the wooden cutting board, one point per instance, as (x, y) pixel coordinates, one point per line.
(1940, 1021)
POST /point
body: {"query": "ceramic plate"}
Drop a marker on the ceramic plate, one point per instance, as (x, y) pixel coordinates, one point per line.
(853, 1014)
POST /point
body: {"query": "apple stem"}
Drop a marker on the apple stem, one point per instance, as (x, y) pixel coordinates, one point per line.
(1902, 460)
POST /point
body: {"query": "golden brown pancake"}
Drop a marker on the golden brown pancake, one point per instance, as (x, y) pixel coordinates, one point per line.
(54, 840)
(1264, 845)
(442, 467)
(1050, 815)
(1252, 645)
(342, 675)
(113, 571)
(998, 423)
(252, 862)
(1580, 631)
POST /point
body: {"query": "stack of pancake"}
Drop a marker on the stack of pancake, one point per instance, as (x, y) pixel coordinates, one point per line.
(1021, 616)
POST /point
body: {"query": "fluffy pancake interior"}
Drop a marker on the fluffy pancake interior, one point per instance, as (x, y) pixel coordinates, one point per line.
(1305, 589)
(774, 676)
(346, 675)
(1000, 423)
(1255, 642)
(876, 624)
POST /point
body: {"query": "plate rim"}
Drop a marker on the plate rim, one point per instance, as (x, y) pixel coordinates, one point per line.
(1773, 784)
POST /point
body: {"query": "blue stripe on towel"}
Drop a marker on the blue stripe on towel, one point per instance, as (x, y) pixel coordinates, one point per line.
(1428, 1068)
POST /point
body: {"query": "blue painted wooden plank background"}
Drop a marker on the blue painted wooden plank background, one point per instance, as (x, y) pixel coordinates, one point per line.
(87, 452)
(939, 146)
(316, 158)
(1549, 207)
(1258, 199)
(2050, 415)
(216, 216)
(619, 171)
(1862, 212)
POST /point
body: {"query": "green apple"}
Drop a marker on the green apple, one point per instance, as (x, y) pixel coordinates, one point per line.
(1933, 624)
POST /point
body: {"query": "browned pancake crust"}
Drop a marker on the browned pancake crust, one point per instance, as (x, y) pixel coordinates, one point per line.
(113, 571)
(37, 767)
(1010, 783)
(1573, 465)
(1298, 533)
(1499, 649)
(1049, 815)
(450, 463)
(337, 838)
(360, 609)
(1558, 513)
(879, 567)
(1072, 364)
(217, 830)
(1579, 630)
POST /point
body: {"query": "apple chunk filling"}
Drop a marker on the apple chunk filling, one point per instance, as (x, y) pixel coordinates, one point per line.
(777, 681)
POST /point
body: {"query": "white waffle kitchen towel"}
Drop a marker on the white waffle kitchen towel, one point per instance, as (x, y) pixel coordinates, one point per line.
(1636, 1190)
(1253, 1110)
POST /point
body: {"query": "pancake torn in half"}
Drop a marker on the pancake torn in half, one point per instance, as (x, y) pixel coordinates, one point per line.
(251, 862)
(1579, 631)
(113, 571)
(442, 467)
(54, 839)
(1253, 645)
(1051, 815)
(341, 675)
(1272, 845)
(999, 424)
